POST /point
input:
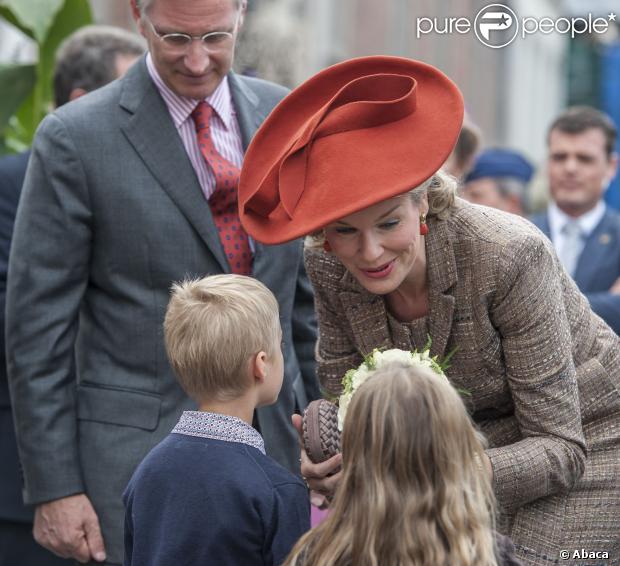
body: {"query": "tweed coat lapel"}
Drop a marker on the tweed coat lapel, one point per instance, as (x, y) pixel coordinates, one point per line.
(442, 276)
(150, 130)
(366, 311)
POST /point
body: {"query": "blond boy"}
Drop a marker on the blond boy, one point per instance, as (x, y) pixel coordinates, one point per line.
(208, 494)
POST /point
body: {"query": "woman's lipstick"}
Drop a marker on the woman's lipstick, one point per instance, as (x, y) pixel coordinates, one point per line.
(380, 272)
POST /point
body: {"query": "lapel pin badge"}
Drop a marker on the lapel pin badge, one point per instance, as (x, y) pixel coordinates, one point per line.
(604, 239)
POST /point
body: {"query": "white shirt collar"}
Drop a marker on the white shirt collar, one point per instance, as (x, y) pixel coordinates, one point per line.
(587, 222)
(180, 107)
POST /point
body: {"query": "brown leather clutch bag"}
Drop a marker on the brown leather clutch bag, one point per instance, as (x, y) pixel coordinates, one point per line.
(320, 430)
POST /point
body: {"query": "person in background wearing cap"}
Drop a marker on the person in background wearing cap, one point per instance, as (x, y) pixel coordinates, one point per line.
(499, 179)
(131, 189)
(585, 232)
(352, 157)
(88, 59)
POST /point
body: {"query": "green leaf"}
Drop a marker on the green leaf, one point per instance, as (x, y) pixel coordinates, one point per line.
(329, 396)
(347, 380)
(16, 81)
(369, 359)
(33, 16)
(15, 145)
(446, 362)
(23, 123)
(73, 15)
(6, 14)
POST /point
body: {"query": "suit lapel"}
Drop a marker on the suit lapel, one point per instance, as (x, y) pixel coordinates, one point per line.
(152, 133)
(249, 117)
(543, 225)
(597, 246)
(245, 102)
(442, 276)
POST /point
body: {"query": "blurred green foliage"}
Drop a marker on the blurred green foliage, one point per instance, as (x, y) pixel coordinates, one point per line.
(26, 91)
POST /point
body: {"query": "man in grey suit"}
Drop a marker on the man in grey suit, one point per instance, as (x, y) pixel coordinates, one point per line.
(89, 58)
(584, 231)
(116, 206)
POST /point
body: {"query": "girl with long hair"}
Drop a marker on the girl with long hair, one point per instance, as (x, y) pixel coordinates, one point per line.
(413, 489)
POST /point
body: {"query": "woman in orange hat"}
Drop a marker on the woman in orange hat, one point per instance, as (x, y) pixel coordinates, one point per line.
(352, 157)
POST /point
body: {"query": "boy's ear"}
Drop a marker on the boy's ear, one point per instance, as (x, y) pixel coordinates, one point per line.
(260, 367)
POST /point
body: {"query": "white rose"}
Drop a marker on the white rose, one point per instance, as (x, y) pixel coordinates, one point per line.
(395, 355)
(342, 410)
(379, 359)
(360, 376)
(425, 360)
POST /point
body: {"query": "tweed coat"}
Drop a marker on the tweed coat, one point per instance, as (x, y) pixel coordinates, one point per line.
(542, 369)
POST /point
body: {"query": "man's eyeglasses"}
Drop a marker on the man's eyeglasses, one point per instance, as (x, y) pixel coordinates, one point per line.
(212, 41)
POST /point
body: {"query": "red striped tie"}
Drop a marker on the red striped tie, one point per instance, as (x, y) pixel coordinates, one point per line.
(223, 201)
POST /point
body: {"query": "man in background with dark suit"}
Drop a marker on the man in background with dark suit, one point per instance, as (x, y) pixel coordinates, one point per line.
(88, 59)
(585, 232)
(128, 190)
(16, 543)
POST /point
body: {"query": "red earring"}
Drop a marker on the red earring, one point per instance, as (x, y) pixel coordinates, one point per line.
(326, 246)
(423, 225)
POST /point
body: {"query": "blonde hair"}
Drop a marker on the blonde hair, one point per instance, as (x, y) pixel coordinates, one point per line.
(413, 489)
(441, 190)
(213, 327)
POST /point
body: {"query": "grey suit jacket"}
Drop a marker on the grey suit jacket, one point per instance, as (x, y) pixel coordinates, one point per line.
(598, 265)
(112, 213)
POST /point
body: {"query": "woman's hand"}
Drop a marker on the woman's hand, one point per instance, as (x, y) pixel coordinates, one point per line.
(317, 476)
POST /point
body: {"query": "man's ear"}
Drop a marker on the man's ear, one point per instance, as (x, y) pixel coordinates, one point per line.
(76, 93)
(135, 10)
(259, 368)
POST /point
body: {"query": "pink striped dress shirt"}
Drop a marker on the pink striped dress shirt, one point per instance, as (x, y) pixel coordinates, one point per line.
(224, 126)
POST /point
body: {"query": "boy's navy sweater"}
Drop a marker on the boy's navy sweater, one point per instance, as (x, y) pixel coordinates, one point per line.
(202, 501)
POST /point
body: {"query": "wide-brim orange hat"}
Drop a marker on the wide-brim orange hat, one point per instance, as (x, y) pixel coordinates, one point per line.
(355, 134)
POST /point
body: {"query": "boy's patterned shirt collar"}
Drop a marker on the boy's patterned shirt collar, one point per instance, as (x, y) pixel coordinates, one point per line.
(218, 427)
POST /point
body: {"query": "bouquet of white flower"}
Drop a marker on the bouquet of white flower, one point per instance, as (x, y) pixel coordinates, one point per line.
(355, 377)
(323, 420)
